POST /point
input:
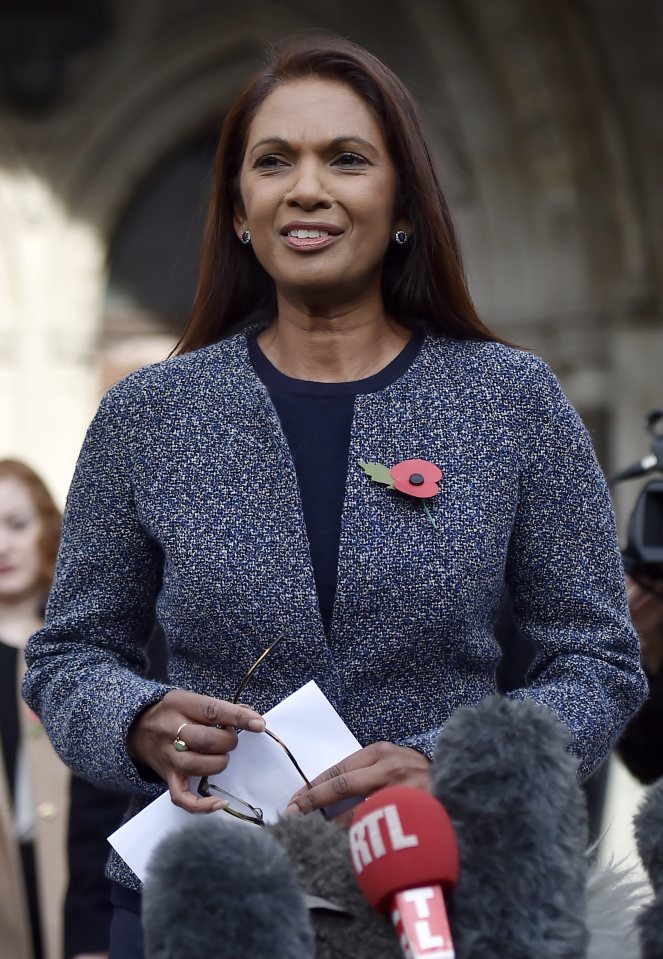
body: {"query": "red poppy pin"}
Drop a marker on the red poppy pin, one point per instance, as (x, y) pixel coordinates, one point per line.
(417, 478)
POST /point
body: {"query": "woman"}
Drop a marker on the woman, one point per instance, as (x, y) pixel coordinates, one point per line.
(34, 784)
(234, 488)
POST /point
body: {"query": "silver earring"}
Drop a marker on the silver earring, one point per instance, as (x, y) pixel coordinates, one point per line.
(401, 237)
(246, 237)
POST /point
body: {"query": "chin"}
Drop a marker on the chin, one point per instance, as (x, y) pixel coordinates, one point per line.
(321, 292)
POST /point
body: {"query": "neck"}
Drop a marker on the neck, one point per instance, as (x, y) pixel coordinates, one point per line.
(332, 346)
(19, 619)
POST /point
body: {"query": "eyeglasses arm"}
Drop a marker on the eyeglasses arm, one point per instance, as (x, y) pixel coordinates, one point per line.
(251, 670)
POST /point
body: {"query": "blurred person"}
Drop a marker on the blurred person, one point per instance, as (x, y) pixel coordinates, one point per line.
(342, 454)
(33, 781)
(641, 744)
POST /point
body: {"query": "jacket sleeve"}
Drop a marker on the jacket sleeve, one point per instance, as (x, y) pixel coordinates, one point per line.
(567, 583)
(564, 571)
(86, 666)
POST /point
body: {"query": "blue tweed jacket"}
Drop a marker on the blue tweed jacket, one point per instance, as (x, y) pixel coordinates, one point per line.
(185, 498)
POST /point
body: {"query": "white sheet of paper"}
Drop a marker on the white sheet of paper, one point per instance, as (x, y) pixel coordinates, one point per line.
(259, 772)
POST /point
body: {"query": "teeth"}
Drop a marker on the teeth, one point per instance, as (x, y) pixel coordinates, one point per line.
(308, 234)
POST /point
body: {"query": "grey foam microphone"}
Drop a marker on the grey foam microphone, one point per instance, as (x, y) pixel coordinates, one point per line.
(510, 787)
(648, 824)
(345, 925)
(215, 889)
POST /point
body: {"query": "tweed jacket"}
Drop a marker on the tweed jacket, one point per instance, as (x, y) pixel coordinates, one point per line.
(185, 500)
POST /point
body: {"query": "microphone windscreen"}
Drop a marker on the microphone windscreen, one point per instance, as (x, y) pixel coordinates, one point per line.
(648, 824)
(402, 838)
(216, 889)
(650, 923)
(347, 928)
(503, 774)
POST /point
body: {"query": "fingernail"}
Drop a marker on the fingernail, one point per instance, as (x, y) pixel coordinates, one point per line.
(221, 804)
(293, 810)
(257, 725)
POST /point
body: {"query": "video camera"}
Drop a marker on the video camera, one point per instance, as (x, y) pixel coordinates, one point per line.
(643, 554)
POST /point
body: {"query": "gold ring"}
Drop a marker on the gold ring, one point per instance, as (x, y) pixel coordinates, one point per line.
(178, 742)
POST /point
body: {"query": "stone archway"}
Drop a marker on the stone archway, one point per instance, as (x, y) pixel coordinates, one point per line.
(516, 101)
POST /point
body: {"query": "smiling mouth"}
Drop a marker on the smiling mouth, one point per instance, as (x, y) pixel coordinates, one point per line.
(304, 239)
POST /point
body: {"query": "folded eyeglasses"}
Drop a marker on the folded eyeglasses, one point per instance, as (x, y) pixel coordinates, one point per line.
(237, 807)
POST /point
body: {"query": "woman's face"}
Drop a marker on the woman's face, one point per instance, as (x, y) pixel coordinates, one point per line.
(20, 529)
(318, 191)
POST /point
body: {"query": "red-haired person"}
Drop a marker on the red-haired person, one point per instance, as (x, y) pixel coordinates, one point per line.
(35, 858)
(342, 454)
(33, 781)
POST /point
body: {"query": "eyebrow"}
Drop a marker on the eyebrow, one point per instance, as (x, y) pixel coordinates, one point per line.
(336, 142)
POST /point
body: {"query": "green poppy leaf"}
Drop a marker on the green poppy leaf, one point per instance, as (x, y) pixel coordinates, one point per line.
(377, 472)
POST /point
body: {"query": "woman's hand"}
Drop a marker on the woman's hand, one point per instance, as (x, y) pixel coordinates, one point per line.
(646, 607)
(210, 734)
(378, 765)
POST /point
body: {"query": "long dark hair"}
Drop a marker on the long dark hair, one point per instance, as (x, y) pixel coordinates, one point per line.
(422, 282)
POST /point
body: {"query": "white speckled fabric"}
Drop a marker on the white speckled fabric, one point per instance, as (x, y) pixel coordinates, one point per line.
(185, 496)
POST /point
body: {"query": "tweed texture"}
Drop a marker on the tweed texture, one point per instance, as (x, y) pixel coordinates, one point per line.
(185, 496)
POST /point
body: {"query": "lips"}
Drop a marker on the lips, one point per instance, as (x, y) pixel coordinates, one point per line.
(308, 237)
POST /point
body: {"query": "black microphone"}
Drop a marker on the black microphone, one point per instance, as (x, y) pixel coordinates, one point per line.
(216, 890)
(648, 824)
(644, 466)
(654, 460)
(502, 773)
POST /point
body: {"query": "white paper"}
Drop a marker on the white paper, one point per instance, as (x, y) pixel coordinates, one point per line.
(258, 771)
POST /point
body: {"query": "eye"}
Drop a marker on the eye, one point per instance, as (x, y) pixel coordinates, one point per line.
(350, 160)
(271, 161)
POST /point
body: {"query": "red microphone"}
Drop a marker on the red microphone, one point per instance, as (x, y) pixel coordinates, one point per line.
(404, 854)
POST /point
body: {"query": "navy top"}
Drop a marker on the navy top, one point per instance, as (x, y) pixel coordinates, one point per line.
(316, 419)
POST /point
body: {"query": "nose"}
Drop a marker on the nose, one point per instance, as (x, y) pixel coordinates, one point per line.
(309, 190)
